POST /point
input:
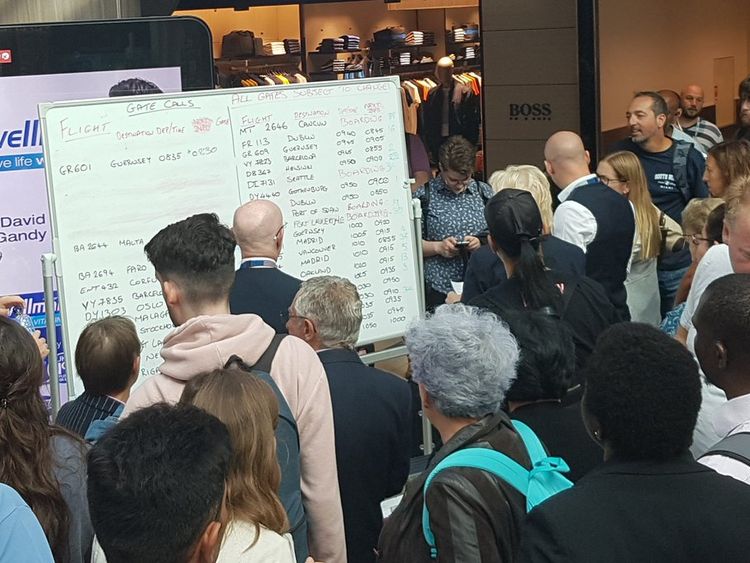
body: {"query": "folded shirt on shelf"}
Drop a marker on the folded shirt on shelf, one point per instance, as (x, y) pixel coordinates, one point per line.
(292, 46)
(274, 48)
(466, 32)
(331, 45)
(390, 36)
(415, 38)
(351, 42)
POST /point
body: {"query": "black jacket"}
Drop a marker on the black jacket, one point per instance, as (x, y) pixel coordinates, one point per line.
(476, 517)
(267, 292)
(561, 430)
(486, 270)
(588, 313)
(371, 417)
(674, 511)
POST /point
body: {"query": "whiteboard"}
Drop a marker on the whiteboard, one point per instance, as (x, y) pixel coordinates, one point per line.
(331, 154)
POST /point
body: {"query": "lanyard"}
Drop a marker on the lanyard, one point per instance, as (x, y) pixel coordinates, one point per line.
(258, 264)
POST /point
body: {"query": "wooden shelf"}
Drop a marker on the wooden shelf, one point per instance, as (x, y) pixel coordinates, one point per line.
(459, 43)
(375, 47)
(334, 52)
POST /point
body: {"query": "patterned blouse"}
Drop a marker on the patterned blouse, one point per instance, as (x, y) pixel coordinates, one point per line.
(450, 214)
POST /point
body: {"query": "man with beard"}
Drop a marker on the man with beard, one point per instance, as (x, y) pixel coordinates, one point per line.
(672, 128)
(672, 180)
(702, 130)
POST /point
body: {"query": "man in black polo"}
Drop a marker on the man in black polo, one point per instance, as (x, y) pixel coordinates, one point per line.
(674, 172)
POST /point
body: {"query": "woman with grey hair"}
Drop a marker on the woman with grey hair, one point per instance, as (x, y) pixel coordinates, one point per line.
(464, 360)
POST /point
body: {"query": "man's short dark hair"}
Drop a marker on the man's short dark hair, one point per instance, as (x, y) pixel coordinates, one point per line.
(658, 104)
(156, 481)
(105, 354)
(725, 308)
(548, 357)
(199, 253)
(644, 389)
(133, 87)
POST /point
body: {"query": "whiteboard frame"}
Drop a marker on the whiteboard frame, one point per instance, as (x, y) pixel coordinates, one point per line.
(414, 215)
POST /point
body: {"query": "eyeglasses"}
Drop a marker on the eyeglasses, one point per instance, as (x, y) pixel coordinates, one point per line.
(695, 239)
(608, 181)
(286, 316)
(276, 236)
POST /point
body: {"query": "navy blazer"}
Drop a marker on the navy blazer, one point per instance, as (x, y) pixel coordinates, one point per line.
(676, 510)
(267, 292)
(485, 270)
(371, 419)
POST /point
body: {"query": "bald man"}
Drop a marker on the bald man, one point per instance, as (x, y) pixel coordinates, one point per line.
(592, 216)
(705, 132)
(672, 125)
(259, 286)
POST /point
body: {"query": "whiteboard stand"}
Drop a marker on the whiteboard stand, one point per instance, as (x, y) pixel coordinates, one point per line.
(398, 351)
(48, 272)
(416, 205)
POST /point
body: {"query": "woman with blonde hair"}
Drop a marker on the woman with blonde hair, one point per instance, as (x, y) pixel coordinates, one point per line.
(485, 270)
(622, 171)
(530, 179)
(249, 408)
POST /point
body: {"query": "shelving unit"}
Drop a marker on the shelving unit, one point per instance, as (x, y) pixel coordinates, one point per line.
(314, 64)
(456, 48)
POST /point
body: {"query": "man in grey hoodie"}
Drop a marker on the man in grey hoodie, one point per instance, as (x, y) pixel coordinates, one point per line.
(194, 263)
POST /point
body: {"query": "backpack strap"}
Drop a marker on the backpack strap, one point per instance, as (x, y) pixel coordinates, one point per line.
(736, 447)
(679, 168)
(265, 361)
(537, 484)
(484, 459)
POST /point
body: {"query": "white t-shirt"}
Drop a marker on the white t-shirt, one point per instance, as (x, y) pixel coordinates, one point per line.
(730, 418)
(714, 265)
(270, 548)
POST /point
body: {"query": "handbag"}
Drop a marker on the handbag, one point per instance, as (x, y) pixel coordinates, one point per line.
(672, 237)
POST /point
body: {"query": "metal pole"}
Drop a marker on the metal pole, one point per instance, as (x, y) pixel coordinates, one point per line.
(427, 445)
(48, 271)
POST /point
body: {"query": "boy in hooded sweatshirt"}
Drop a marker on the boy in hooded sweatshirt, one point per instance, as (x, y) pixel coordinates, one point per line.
(194, 263)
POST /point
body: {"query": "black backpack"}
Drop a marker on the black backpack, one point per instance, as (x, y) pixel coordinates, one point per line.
(679, 168)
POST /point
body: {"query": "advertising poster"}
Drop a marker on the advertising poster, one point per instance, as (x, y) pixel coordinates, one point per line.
(24, 212)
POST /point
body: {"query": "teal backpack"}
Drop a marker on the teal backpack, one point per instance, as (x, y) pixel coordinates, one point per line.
(544, 480)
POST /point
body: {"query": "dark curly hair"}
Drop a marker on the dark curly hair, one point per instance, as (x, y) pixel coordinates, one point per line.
(644, 389)
(199, 253)
(548, 356)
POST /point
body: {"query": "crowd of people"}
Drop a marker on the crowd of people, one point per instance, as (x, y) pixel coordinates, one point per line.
(584, 365)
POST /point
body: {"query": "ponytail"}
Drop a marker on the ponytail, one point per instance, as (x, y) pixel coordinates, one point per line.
(536, 289)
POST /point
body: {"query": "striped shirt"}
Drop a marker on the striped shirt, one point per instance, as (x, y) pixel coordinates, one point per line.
(78, 415)
(705, 132)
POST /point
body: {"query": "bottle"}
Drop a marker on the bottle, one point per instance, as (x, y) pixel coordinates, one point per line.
(23, 319)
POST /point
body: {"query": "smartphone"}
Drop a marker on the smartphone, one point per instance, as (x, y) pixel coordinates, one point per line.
(462, 243)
